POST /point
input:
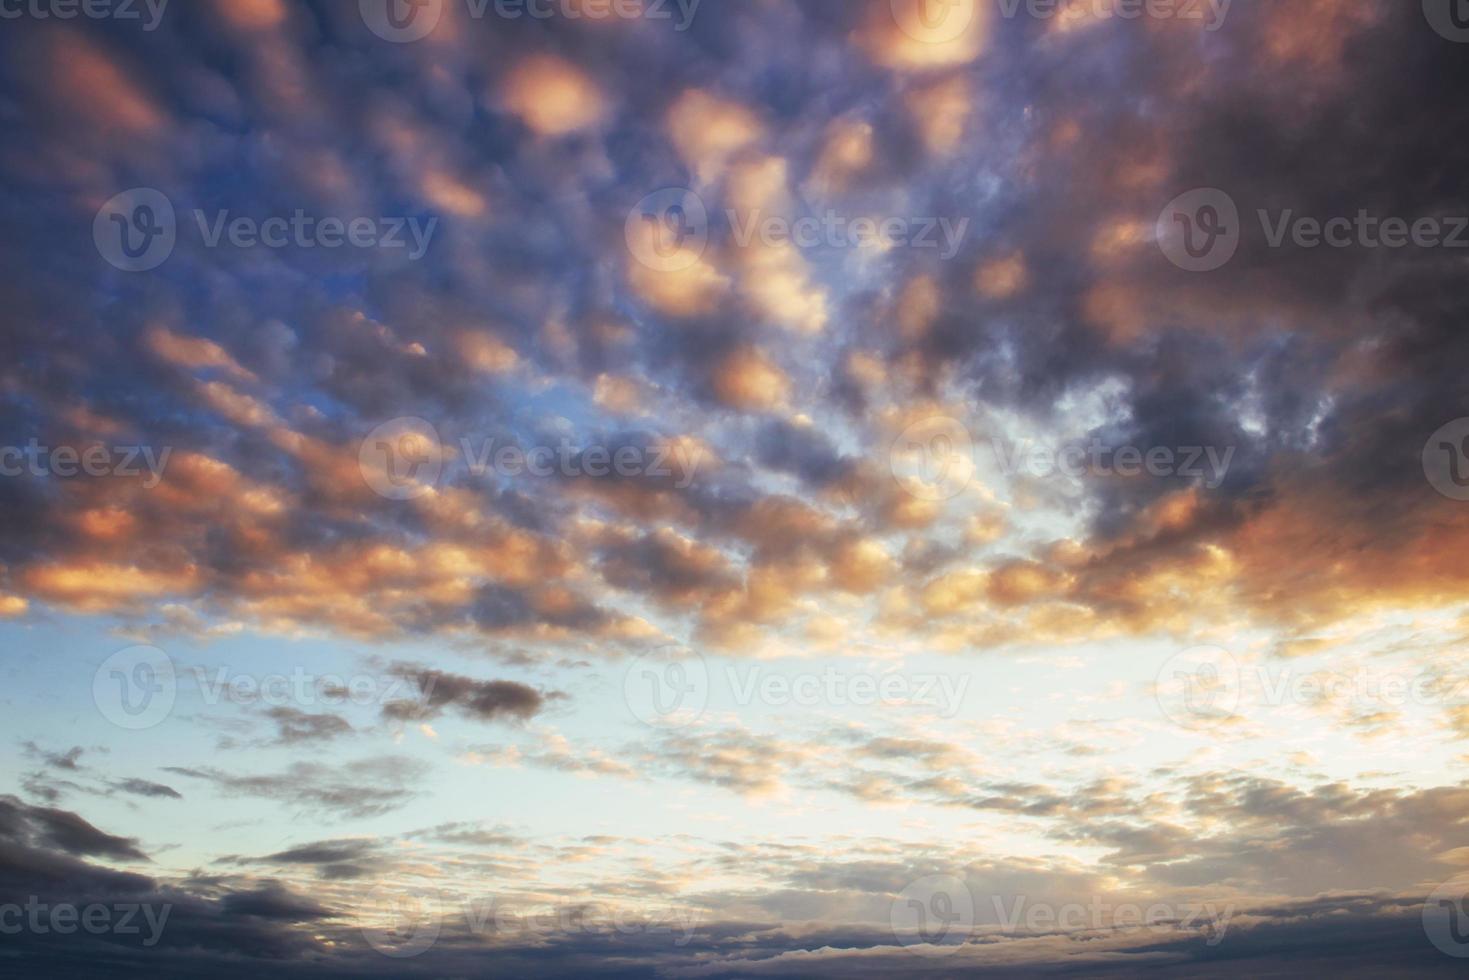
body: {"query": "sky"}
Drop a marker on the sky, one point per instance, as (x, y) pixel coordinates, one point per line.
(740, 488)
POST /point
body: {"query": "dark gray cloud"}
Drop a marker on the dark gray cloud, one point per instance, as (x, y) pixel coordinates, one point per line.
(479, 700)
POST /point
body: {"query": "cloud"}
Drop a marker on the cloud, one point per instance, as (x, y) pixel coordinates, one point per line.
(486, 701)
(552, 96)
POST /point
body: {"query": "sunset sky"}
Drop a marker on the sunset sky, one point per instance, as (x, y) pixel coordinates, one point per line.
(734, 488)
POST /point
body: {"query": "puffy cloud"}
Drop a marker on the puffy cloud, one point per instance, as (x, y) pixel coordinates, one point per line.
(748, 379)
(553, 97)
(708, 130)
